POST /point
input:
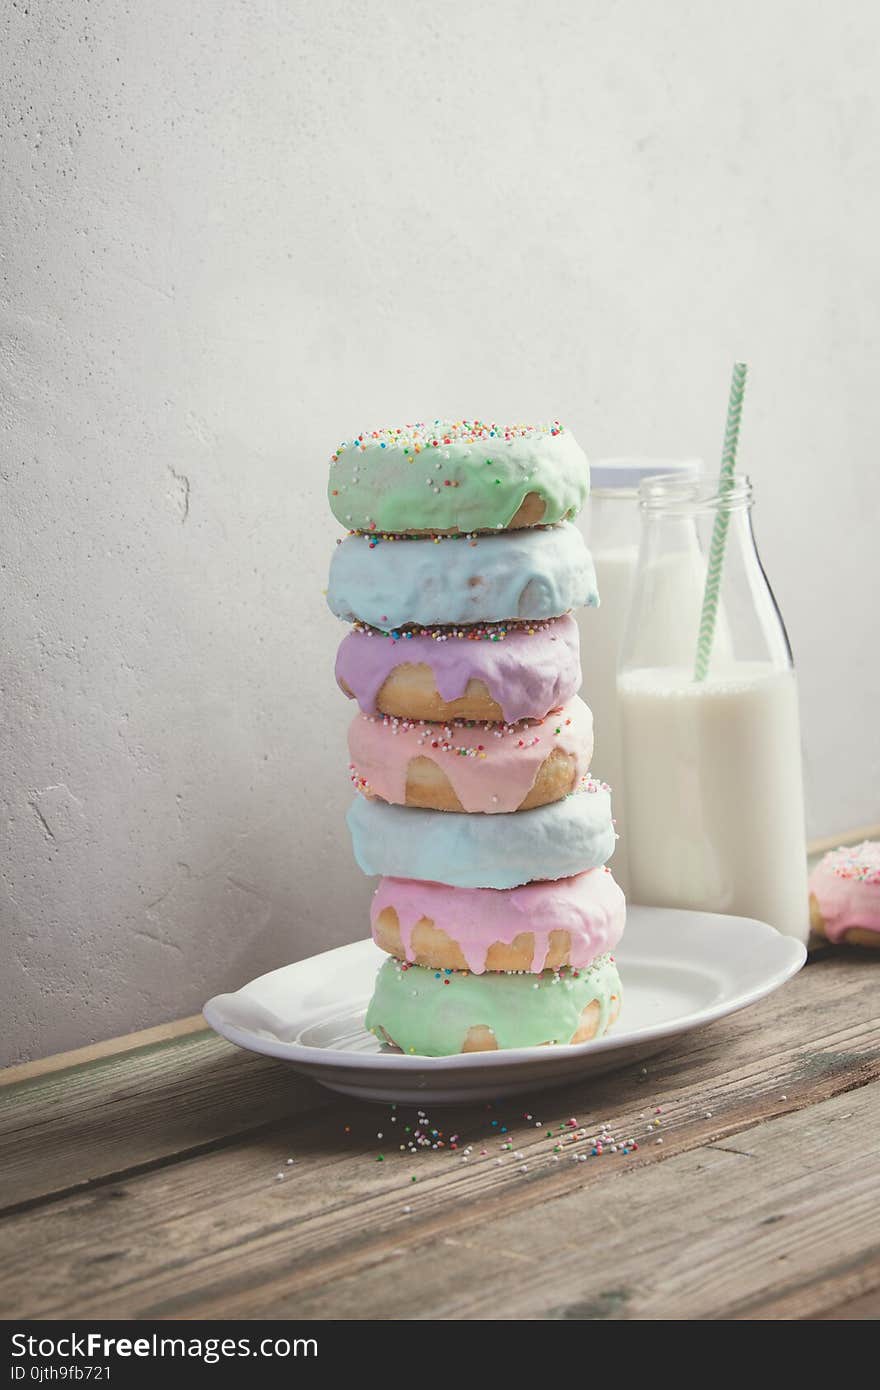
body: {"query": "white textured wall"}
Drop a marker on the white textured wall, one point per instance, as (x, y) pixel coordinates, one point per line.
(235, 230)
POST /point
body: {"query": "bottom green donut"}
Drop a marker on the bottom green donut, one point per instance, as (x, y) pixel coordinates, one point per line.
(435, 1013)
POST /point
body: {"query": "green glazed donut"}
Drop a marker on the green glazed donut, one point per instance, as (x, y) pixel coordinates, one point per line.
(464, 476)
(435, 1013)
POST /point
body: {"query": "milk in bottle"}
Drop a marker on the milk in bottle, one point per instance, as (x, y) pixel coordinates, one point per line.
(611, 526)
(712, 768)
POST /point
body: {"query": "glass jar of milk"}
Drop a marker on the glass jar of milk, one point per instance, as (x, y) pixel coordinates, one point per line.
(712, 767)
(611, 525)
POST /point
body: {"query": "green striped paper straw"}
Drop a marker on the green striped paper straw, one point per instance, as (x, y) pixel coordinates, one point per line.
(722, 519)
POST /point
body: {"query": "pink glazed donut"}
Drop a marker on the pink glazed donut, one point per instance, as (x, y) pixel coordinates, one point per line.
(845, 895)
(465, 765)
(540, 926)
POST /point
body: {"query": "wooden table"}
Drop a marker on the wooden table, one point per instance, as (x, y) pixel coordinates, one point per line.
(140, 1179)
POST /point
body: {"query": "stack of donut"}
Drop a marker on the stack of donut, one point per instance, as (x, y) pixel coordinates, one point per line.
(470, 750)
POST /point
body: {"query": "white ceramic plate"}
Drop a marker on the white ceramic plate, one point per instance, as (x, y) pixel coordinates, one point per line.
(680, 970)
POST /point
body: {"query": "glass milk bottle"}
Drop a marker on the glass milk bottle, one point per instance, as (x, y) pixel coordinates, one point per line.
(611, 527)
(712, 767)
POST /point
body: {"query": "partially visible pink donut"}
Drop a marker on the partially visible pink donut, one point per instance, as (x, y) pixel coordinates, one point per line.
(845, 895)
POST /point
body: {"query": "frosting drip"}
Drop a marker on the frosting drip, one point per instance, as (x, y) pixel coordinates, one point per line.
(589, 906)
(536, 573)
(464, 475)
(491, 767)
(527, 670)
(550, 842)
(429, 1012)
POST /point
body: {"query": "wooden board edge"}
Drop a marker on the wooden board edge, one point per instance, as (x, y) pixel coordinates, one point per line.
(847, 837)
(111, 1047)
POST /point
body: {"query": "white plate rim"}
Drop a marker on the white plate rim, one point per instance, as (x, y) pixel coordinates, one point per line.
(792, 955)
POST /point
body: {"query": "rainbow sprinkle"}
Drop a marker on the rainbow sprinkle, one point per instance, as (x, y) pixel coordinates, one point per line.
(859, 862)
(479, 632)
(374, 536)
(412, 440)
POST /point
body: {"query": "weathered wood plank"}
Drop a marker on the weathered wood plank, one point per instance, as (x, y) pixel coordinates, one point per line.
(218, 1236)
(111, 1047)
(856, 1306)
(848, 1291)
(115, 1114)
(761, 1226)
(121, 1113)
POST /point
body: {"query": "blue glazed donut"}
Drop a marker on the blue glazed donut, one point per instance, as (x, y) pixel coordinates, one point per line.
(481, 851)
(534, 573)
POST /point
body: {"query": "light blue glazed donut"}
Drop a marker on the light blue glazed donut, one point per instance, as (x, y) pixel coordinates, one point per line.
(479, 851)
(535, 573)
